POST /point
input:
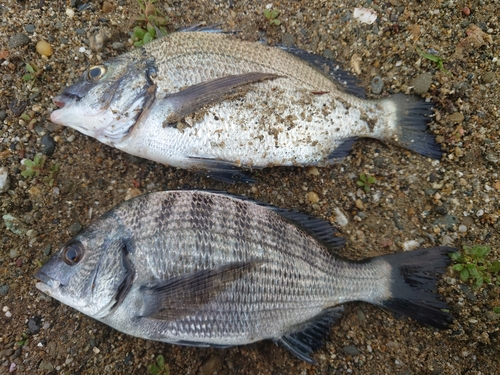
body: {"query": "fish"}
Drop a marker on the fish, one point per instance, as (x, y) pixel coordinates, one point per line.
(203, 268)
(210, 102)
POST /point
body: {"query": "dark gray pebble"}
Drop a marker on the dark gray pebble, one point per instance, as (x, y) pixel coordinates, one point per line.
(35, 324)
(379, 162)
(3, 115)
(467, 293)
(4, 289)
(328, 54)
(446, 222)
(75, 228)
(440, 210)
(80, 31)
(48, 144)
(429, 192)
(288, 39)
(351, 350)
(18, 40)
(30, 29)
(422, 83)
(377, 85)
(47, 250)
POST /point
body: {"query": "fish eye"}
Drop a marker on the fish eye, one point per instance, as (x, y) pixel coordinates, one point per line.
(73, 253)
(96, 72)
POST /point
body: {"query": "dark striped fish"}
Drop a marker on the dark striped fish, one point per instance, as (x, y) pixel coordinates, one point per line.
(201, 268)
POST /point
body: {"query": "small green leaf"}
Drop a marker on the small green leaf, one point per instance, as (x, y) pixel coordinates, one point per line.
(151, 30)
(267, 13)
(464, 274)
(147, 38)
(27, 77)
(496, 310)
(495, 267)
(470, 265)
(139, 32)
(29, 68)
(456, 256)
(153, 369)
(276, 22)
(479, 282)
(458, 267)
(474, 273)
(274, 13)
(28, 163)
(160, 361)
(139, 43)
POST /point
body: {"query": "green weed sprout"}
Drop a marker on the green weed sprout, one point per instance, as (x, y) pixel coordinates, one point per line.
(152, 23)
(365, 181)
(473, 265)
(33, 72)
(435, 59)
(272, 16)
(35, 167)
(159, 368)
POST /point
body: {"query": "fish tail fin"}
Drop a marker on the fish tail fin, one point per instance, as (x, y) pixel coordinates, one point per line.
(413, 282)
(412, 116)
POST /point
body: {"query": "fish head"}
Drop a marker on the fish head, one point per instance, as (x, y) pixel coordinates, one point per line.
(92, 272)
(107, 101)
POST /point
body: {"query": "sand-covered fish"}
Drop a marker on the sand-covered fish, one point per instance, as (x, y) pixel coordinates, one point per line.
(208, 269)
(210, 101)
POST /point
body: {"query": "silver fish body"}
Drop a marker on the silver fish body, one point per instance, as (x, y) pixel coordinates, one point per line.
(211, 101)
(201, 268)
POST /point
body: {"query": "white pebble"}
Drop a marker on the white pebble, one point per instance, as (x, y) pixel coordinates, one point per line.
(70, 12)
(4, 179)
(96, 350)
(480, 213)
(8, 314)
(340, 218)
(462, 228)
(410, 245)
(5, 308)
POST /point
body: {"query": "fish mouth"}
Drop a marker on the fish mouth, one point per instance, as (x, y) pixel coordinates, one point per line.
(61, 100)
(47, 282)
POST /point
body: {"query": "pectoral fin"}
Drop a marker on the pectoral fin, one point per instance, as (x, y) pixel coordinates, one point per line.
(195, 97)
(187, 294)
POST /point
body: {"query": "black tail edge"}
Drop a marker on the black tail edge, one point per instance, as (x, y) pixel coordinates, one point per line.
(414, 277)
(413, 114)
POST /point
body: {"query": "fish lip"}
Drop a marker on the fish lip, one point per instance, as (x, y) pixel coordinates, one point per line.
(62, 99)
(46, 279)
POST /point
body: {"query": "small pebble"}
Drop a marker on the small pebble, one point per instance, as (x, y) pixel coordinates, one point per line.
(4, 289)
(44, 48)
(462, 228)
(351, 350)
(4, 180)
(70, 12)
(312, 197)
(74, 228)
(30, 29)
(48, 144)
(35, 324)
(3, 115)
(118, 46)
(410, 245)
(377, 85)
(340, 218)
(313, 170)
(18, 40)
(107, 7)
(488, 77)
(456, 118)
(466, 11)
(422, 83)
(288, 39)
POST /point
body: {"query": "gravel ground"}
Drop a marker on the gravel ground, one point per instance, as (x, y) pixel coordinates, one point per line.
(414, 200)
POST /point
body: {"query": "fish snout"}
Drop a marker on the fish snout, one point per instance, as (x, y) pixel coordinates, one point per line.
(59, 101)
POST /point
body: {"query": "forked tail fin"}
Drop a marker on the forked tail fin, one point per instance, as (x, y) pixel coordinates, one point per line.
(413, 283)
(412, 116)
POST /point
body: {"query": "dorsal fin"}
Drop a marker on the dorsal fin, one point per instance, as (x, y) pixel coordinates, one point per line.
(346, 81)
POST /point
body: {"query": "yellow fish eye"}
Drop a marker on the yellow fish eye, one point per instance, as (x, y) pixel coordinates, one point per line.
(96, 72)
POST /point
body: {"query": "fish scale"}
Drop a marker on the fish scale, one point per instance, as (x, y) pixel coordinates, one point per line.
(203, 268)
(212, 102)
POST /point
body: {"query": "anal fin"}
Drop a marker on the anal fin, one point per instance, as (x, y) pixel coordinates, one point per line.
(308, 336)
